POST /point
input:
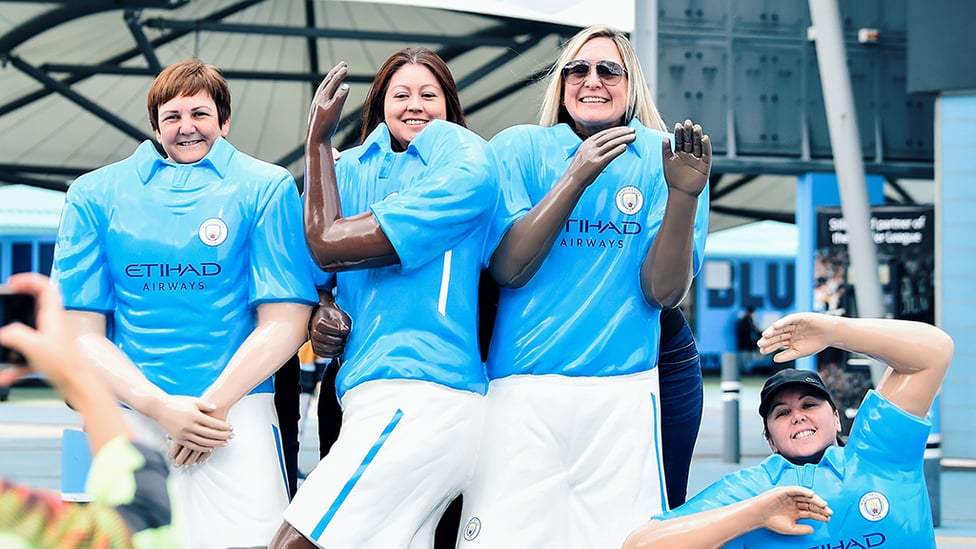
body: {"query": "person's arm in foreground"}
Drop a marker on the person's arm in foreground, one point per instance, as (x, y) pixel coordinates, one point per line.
(336, 243)
(778, 509)
(52, 350)
(917, 354)
(528, 241)
(128, 483)
(186, 419)
(666, 272)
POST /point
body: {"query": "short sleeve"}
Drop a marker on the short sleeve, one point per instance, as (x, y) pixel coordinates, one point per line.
(281, 266)
(732, 488)
(80, 264)
(444, 205)
(888, 436)
(513, 199)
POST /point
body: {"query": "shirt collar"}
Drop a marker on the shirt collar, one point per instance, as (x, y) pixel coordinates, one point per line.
(564, 134)
(378, 141)
(149, 161)
(833, 459)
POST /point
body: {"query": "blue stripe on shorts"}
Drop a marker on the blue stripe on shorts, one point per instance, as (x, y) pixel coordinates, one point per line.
(280, 452)
(660, 460)
(351, 483)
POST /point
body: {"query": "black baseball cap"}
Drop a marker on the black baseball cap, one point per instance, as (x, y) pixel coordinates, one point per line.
(790, 376)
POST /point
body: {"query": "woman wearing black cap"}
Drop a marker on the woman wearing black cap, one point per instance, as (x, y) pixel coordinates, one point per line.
(866, 493)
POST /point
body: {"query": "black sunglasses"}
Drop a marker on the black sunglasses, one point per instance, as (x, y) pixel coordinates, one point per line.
(609, 72)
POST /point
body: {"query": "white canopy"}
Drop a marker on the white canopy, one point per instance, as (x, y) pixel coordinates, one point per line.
(578, 13)
(29, 211)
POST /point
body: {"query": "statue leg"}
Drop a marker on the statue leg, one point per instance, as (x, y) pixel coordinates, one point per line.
(288, 538)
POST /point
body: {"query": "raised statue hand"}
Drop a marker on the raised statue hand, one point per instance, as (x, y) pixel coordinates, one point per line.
(797, 335)
(326, 108)
(686, 168)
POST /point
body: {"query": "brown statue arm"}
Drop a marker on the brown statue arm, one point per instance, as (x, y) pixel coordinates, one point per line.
(527, 242)
(336, 243)
(777, 509)
(917, 354)
(666, 272)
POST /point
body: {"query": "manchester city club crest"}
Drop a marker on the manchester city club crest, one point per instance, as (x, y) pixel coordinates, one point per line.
(472, 529)
(873, 506)
(629, 200)
(213, 231)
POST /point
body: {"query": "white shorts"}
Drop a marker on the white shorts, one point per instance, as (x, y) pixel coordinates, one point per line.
(566, 462)
(405, 450)
(235, 498)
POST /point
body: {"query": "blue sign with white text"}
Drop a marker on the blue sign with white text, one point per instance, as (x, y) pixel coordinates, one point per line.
(727, 287)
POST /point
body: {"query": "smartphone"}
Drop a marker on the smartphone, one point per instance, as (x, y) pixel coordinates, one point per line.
(14, 307)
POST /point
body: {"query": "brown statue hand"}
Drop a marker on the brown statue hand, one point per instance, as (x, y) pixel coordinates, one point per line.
(328, 328)
(323, 115)
(686, 168)
(596, 152)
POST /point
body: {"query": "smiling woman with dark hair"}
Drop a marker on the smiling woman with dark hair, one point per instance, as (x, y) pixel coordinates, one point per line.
(404, 220)
(374, 108)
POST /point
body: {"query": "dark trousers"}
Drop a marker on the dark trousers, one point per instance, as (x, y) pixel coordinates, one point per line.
(329, 412)
(680, 377)
(287, 388)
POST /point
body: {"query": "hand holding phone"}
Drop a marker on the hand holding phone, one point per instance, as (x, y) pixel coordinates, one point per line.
(15, 307)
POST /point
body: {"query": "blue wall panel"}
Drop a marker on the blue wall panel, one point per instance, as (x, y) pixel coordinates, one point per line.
(956, 149)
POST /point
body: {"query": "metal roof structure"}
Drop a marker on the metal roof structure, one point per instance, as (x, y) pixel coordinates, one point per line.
(74, 76)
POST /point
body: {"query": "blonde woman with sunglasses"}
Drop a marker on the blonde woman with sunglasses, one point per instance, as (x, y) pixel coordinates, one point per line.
(613, 230)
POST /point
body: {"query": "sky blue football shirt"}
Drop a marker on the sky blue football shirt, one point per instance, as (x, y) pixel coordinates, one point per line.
(179, 256)
(583, 313)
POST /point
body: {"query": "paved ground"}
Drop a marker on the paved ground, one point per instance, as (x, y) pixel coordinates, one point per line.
(32, 422)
